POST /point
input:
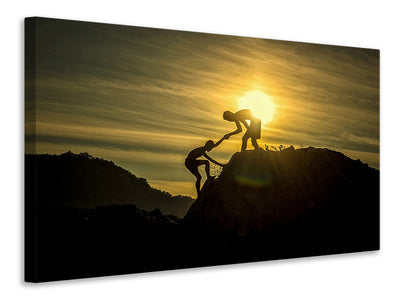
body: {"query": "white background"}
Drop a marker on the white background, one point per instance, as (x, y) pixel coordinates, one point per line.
(371, 24)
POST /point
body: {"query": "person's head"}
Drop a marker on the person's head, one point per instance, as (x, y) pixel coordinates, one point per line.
(209, 145)
(228, 115)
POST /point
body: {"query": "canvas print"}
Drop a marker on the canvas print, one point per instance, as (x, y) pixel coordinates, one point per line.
(150, 149)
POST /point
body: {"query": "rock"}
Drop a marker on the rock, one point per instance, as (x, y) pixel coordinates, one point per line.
(259, 190)
(155, 213)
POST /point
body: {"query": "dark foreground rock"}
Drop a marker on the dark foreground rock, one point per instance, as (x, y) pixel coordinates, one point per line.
(265, 205)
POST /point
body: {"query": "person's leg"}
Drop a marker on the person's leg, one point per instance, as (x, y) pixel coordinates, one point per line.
(198, 181)
(244, 141)
(207, 167)
(254, 132)
(193, 167)
(254, 143)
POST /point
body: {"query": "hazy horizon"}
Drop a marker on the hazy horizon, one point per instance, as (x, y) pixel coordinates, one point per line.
(144, 97)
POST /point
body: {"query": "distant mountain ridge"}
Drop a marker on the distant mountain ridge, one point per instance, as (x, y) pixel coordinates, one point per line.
(83, 181)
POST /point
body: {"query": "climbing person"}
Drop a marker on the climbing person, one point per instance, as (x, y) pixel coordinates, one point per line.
(192, 162)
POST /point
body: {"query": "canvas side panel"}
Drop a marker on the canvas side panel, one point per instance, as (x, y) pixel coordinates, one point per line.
(30, 148)
(379, 202)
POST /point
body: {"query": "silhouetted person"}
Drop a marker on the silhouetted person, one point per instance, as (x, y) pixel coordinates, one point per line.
(253, 130)
(192, 162)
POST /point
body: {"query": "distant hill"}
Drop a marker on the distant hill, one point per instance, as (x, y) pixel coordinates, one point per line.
(83, 181)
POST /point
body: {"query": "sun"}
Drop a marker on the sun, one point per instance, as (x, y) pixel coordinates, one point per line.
(260, 105)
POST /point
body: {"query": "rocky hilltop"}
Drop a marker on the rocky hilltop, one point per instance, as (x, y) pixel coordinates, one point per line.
(306, 191)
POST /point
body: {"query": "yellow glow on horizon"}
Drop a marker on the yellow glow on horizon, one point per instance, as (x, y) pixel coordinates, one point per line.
(260, 105)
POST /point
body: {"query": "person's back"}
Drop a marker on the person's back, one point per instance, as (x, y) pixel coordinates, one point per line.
(196, 153)
(245, 114)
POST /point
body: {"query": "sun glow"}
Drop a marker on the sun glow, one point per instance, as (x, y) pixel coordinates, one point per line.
(260, 105)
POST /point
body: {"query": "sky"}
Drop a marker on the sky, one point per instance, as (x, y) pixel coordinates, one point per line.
(144, 97)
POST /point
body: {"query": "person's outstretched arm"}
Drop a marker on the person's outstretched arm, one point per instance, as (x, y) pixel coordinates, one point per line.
(219, 142)
(238, 130)
(212, 160)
